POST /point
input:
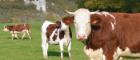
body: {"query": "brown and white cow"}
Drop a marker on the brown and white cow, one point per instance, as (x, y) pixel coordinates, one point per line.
(108, 36)
(56, 33)
(18, 28)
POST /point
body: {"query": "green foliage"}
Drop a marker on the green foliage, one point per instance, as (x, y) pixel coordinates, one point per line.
(112, 5)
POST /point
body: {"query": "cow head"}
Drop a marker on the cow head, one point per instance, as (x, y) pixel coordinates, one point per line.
(82, 22)
(5, 28)
(66, 22)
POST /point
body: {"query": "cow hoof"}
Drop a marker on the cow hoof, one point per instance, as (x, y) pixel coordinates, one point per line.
(61, 58)
(46, 58)
(70, 58)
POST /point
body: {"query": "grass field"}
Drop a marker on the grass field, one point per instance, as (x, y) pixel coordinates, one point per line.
(27, 49)
(31, 49)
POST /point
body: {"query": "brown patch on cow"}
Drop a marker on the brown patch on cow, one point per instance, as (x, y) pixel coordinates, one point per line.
(54, 37)
(58, 24)
(50, 30)
(18, 27)
(61, 34)
(68, 20)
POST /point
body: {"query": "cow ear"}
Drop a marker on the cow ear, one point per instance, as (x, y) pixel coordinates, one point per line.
(58, 24)
(95, 22)
(68, 20)
(94, 19)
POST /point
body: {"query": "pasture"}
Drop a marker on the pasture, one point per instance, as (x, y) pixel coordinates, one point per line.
(26, 49)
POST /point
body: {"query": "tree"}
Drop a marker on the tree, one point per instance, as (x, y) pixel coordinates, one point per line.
(112, 5)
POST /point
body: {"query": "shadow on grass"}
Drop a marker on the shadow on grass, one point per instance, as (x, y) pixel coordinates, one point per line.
(54, 53)
(132, 58)
(25, 38)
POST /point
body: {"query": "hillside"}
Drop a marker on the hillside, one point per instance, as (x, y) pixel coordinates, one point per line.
(16, 11)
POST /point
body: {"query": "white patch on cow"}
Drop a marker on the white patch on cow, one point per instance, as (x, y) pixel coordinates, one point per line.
(113, 22)
(112, 25)
(63, 26)
(57, 40)
(82, 22)
(107, 13)
(94, 55)
(119, 54)
(5, 29)
(53, 33)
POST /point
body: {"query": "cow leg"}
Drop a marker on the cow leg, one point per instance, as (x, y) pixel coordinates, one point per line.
(28, 33)
(45, 50)
(12, 36)
(116, 55)
(23, 35)
(16, 36)
(44, 46)
(69, 49)
(61, 49)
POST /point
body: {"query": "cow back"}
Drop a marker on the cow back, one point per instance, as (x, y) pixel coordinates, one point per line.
(128, 31)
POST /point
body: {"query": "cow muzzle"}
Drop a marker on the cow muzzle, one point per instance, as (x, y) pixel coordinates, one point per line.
(5, 29)
(82, 37)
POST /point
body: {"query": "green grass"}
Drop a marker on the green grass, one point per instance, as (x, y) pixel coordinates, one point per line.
(27, 49)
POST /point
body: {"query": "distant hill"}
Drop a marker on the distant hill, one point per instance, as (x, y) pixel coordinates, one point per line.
(16, 10)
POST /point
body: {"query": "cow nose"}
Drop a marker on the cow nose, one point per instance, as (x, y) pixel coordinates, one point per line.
(81, 37)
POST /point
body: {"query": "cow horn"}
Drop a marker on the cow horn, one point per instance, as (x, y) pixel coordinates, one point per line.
(96, 12)
(69, 12)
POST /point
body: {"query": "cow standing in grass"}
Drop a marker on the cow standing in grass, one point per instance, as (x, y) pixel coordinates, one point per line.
(18, 28)
(56, 33)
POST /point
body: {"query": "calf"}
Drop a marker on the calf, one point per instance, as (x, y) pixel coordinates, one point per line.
(56, 33)
(18, 28)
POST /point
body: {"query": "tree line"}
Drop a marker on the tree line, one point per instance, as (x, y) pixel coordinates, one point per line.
(129, 6)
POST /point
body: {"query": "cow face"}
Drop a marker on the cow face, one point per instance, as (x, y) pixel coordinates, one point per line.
(82, 23)
(5, 29)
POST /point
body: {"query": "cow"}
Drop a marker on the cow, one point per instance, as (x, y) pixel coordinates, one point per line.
(56, 33)
(22, 28)
(108, 36)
